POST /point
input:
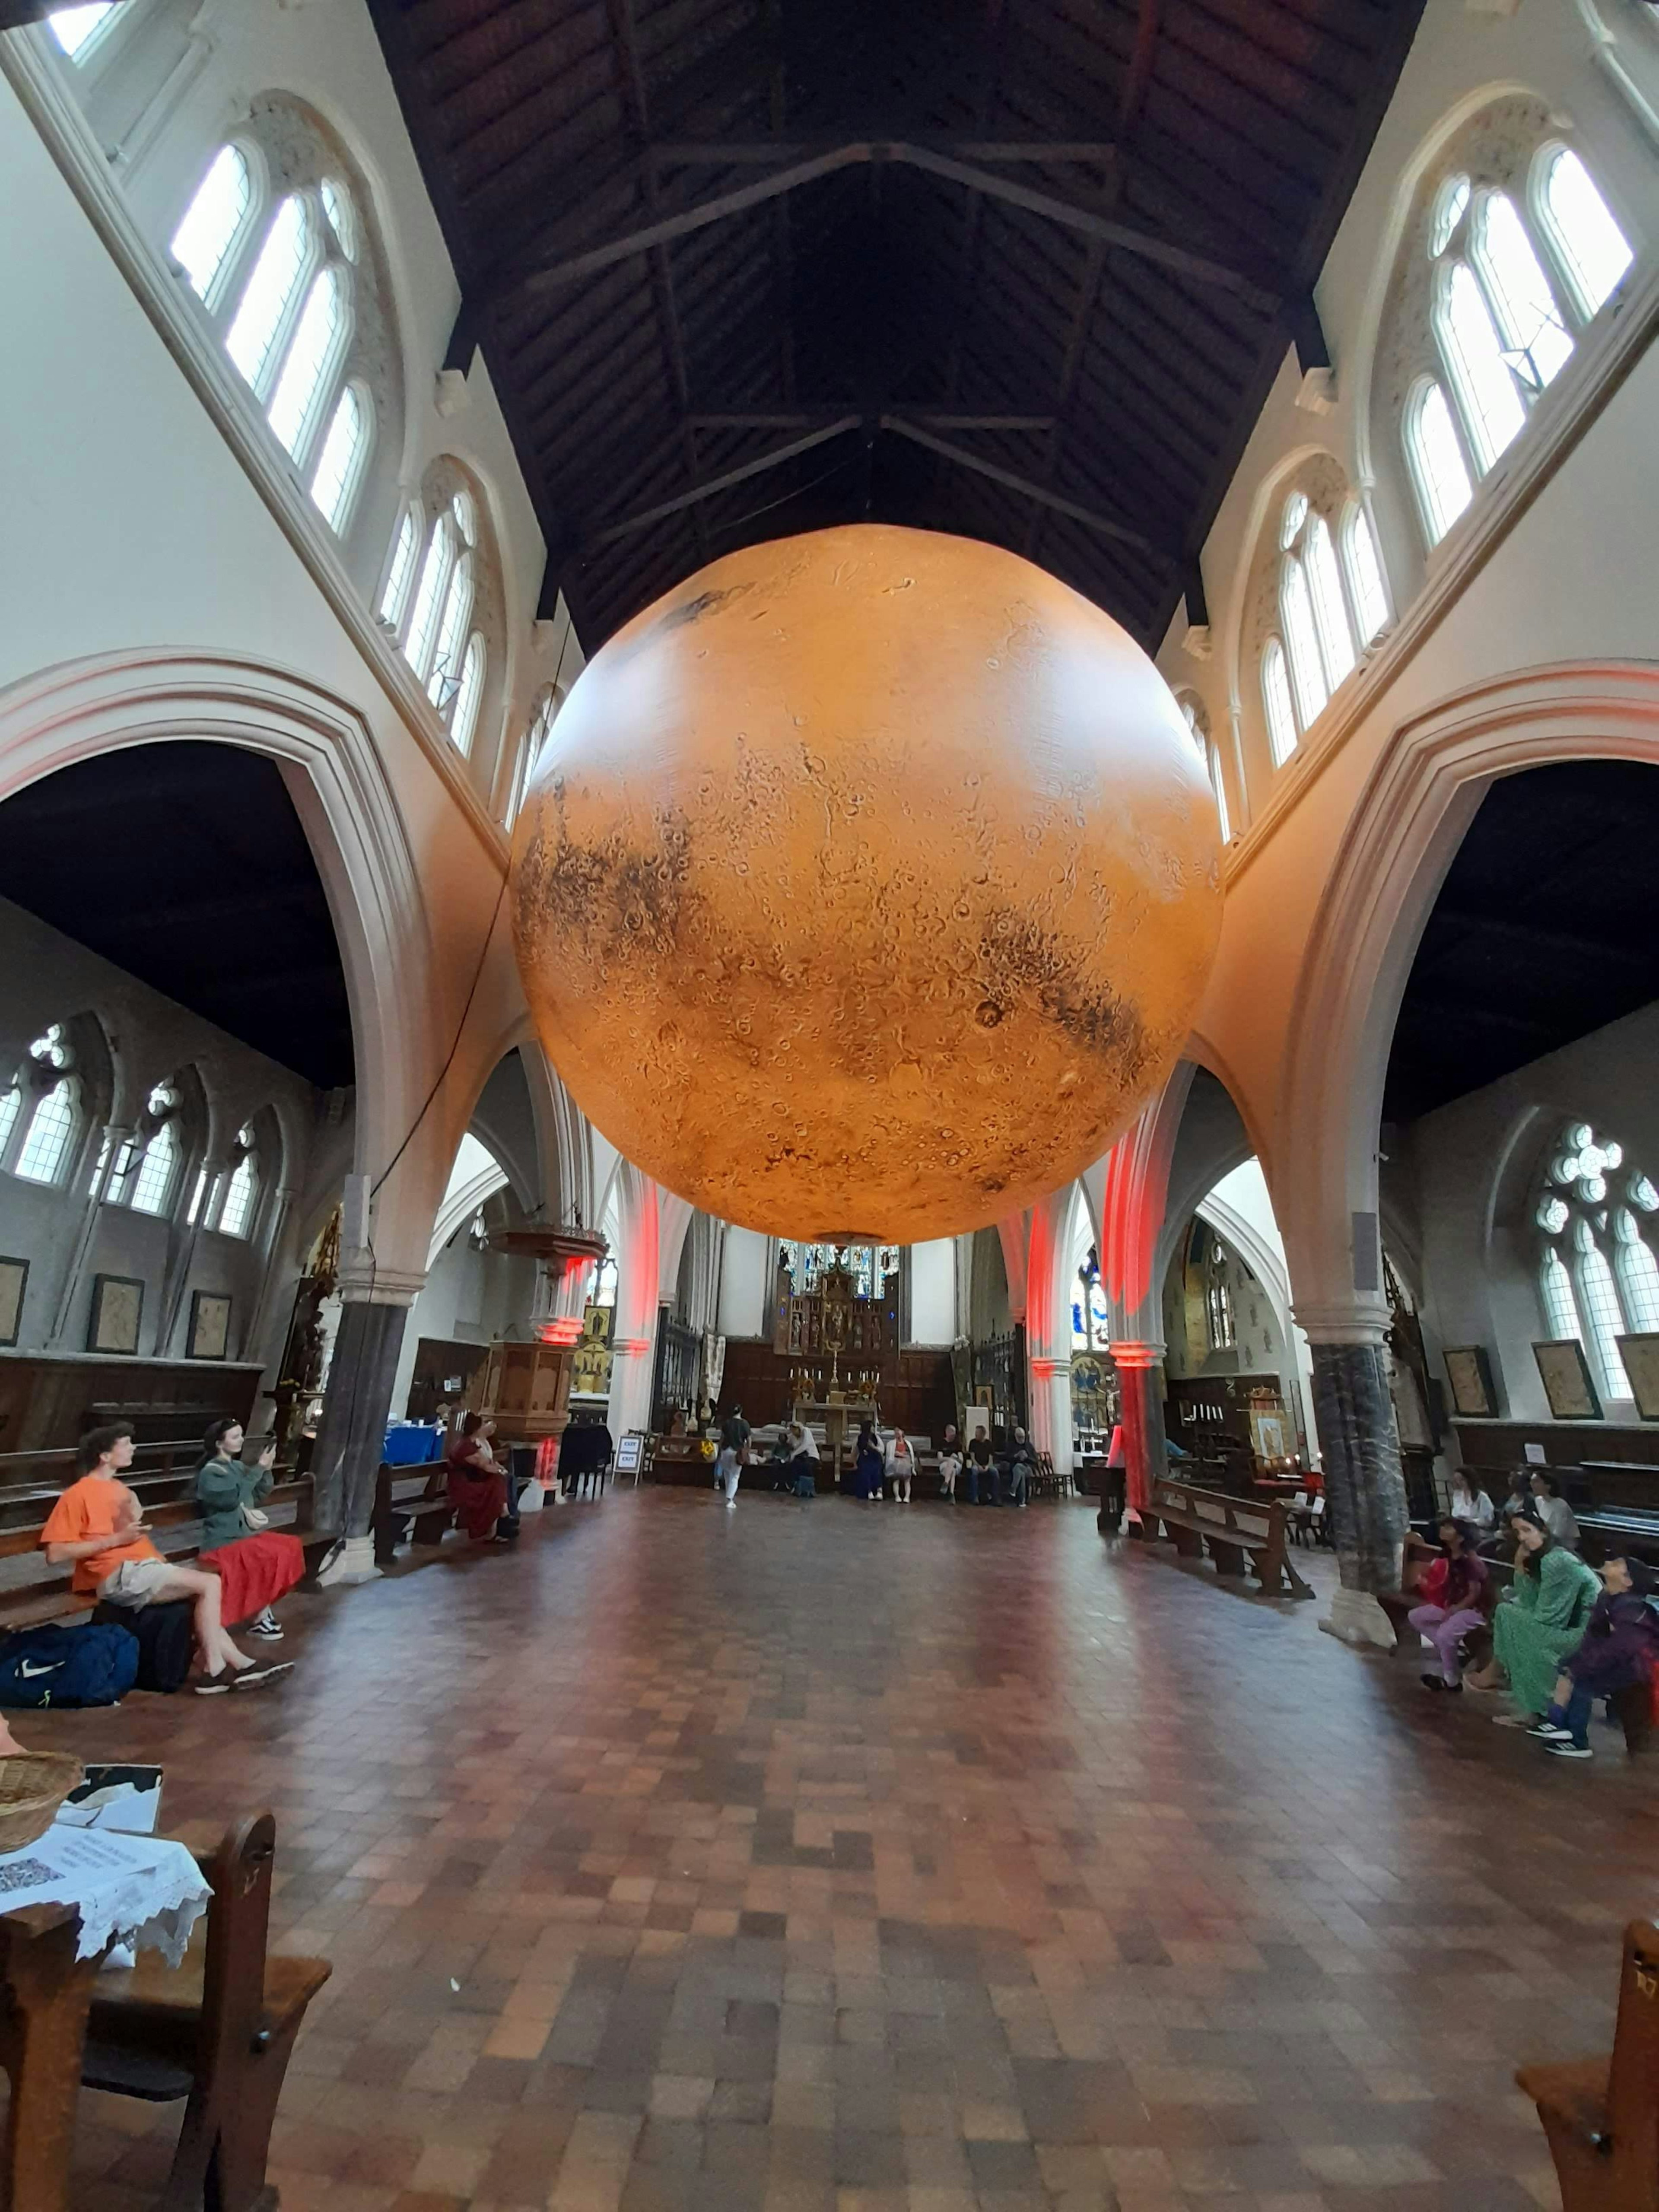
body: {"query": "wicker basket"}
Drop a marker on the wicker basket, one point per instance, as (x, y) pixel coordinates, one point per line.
(33, 1785)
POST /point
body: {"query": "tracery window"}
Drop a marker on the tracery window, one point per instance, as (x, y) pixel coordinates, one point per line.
(39, 1117)
(281, 273)
(869, 1265)
(1218, 1301)
(1598, 1276)
(530, 750)
(1092, 1320)
(431, 603)
(1329, 610)
(237, 1208)
(80, 30)
(1514, 276)
(1198, 722)
(151, 1189)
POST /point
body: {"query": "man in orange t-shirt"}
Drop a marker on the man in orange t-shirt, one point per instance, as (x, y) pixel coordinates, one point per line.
(97, 1526)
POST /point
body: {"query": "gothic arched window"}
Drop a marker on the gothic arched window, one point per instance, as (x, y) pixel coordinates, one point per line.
(41, 1113)
(152, 1188)
(1328, 611)
(1198, 722)
(1514, 276)
(1598, 1276)
(241, 1198)
(274, 245)
(439, 589)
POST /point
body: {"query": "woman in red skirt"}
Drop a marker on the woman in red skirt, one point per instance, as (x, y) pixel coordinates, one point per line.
(256, 1564)
(476, 1483)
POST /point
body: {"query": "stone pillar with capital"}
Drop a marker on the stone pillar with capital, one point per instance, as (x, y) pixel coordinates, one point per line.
(1139, 1374)
(1366, 1508)
(351, 1435)
(1050, 1397)
(632, 1358)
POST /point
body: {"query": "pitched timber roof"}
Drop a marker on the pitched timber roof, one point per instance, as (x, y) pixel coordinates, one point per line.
(1019, 269)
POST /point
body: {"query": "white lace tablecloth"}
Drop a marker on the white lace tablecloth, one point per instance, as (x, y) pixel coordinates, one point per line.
(144, 1891)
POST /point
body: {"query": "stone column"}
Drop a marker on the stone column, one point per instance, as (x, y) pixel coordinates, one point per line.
(632, 1358)
(1364, 1490)
(1139, 1371)
(351, 1435)
(1051, 1410)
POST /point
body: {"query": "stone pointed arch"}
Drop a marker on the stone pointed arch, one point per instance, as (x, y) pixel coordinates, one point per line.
(337, 782)
(1399, 841)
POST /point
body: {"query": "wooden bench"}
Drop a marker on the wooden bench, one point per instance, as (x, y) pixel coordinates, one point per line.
(218, 2031)
(1240, 1533)
(49, 1596)
(414, 1495)
(1602, 2115)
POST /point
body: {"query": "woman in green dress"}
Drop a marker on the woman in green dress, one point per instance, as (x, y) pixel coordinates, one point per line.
(1540, 1618)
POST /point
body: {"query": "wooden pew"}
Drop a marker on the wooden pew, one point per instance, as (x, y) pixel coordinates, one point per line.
(218, 2031)
(413, 1494)
(43, 1993)
(1602, 2115)
(49, 1595)
(1237, 1530)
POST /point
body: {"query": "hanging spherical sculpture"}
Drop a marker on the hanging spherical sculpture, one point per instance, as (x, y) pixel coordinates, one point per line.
(866, 887)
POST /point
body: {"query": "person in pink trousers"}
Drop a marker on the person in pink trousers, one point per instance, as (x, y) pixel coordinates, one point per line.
(1452, 1589)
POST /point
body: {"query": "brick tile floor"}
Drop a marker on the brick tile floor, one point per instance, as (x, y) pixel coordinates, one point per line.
(810, 1858)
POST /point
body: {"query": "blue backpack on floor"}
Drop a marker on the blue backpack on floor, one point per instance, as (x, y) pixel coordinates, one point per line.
(54, 1666)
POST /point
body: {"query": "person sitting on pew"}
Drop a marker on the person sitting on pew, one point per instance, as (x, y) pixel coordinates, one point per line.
(256, 1562)
(899, 1465)
(1469, 1502)
(1451, 1588)
(1620, 1648)
(1540, 1618)
(950, 1463)
(97, 1526)
(983, 1467)
(1553, 1509)
(476, 1485)
(1021, 1466)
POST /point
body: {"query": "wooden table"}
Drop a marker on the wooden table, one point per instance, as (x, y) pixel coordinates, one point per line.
(43, 2029)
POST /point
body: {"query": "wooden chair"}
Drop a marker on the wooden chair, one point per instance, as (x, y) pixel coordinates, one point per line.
(218, 2031)
(1602, 2115)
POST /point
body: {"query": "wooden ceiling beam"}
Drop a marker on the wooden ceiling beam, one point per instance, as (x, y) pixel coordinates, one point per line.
(1104, 524)
(1072, 214)
(710, 153)
(709, 485)
(802, 419)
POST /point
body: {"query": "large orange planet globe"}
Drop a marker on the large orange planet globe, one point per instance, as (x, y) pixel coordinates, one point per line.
(866, 885)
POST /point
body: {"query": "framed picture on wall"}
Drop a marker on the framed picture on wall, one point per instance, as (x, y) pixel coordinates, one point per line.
(14, 1280)
(210, 1326)
(1469, 1372)
(1566, 1378)
(118, 1307)
(1641, 1357)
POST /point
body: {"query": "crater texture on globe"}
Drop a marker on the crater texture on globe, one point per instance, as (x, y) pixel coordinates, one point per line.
(867, 885)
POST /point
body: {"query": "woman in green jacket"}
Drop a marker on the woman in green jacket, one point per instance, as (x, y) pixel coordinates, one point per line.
(257, 1564)
(1540, 1618)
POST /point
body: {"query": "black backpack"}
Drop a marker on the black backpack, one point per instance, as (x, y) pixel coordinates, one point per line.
(166, 1639)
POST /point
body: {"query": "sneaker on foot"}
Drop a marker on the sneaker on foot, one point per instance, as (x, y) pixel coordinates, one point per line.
(256, 1678)
(1550, 1733)
(1569, 1750)
(214, 1685)
(267, 1628)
